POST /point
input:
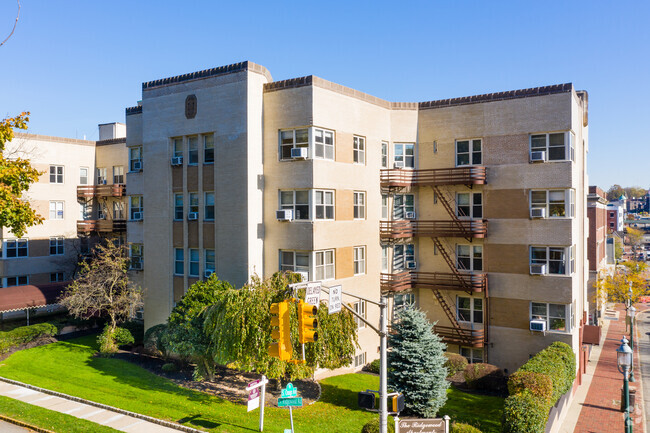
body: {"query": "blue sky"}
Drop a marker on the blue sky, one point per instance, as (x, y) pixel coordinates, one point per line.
(75, 64)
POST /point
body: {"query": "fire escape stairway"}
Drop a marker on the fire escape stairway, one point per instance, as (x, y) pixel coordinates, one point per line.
(445, 203)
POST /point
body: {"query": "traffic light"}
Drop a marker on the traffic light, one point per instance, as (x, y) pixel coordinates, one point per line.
(366, 400)
(281, 332)
(307, 323)
(396, 403)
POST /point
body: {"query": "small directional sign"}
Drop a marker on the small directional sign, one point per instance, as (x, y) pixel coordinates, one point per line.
(335, 300)
(289, 391)
(290, 401)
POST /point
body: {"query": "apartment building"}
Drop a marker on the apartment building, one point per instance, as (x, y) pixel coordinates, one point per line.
(430, 203)
(616, 214)
(597, 251)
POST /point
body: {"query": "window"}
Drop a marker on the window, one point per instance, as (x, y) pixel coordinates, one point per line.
(83, 176)
(469, 309)
(293, 139)
(118, 174)
(359, 150)
(324, 205)
(20, 280)
(360, 360)
(56, 174)
(557, 260)
(208, 149)
(557, 203)
(403, 301)
(194, 202)
(384, 206)
(57, 277)
(469, 205)
(384, 258)
(84, 211)
(469, 257)
(137, 207)
(56, 210)
(359, 205)
(16, 248)
(177, 147)
(384, 154)
(118, 210)
(101, 176)
(136, 255)
(468, 152)
(298, 201)
(404, 156)
(179, 261)
(402, 254)
(135, 158)
(294, 261)
(209, 206)
(193, 150)
(84, 245)
(178, 206)
(101, 214)
(473, 355)
(209, 260)
(323, 143)
(403, 203)
(56, 246)
(324, 267)
(555, 315)
(360, 309)
(555, 145)
(359, 260)
(194, 262)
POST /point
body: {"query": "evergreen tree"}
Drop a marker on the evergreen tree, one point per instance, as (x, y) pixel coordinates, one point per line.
(416, 364)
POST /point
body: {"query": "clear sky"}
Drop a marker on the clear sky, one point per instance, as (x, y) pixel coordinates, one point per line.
(75, 64)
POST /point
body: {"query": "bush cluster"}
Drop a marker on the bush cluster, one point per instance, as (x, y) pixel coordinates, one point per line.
(373, 367)
(109, 341)
(459, 427)
(25, 334)
(372, 426)
(483, 376)
(454, 363)
(535, 388)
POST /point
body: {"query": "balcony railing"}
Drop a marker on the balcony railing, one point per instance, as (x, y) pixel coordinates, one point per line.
(101, 226)
(464, 337)
(412, 228)
(89, 191)
(407, 280)
(432, 177)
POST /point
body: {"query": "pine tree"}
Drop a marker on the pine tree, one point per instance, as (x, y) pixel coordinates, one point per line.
(416, 364)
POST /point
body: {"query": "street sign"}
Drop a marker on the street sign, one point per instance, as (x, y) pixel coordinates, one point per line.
(415, 425)
(290, 401)
(312, 293)
(335, 300)
(289, 391)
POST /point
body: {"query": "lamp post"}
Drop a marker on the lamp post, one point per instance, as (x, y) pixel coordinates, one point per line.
(624, 362)
(631, 312)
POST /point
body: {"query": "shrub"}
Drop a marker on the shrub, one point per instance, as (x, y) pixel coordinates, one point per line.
(455, 363)
(123, 336)
(459, 427)
(373, 367)
(564, 353)
(537, 384)
(154, 341)
(25, 334)
(483, 376)
(372, 426)
(169, 367)
(136, 327)
(110, 340)
(524, 413)
(550, 363)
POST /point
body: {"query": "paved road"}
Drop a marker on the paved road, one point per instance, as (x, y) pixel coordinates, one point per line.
(5, 427)
(642, 343)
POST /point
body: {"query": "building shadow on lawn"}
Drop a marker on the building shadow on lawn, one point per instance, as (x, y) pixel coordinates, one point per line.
(339, 397)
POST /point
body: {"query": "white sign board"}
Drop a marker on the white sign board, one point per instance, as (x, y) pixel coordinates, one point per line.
(312, 293)
(335, 300)
(253, 395)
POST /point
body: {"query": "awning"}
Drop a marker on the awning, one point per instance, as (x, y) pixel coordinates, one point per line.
(17, 298)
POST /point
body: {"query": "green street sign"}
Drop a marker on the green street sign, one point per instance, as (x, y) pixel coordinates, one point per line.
(290, 401)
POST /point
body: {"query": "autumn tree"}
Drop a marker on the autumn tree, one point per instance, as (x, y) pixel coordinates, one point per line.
(16, 176)
(616, 287)
(615, 191)
(103, 289)
(634, 191)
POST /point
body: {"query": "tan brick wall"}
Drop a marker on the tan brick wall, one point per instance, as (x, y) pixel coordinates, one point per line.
(344, 262)
(509, 313)
(511, 258)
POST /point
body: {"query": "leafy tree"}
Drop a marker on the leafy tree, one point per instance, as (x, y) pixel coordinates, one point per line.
(616, 287)
(615, 191)
(103, 289)
(417, 364)
(634, 237)
(16, 175)
(634, 191)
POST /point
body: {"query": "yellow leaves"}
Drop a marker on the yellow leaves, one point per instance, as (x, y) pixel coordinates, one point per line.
(617, 286)
(7, 127)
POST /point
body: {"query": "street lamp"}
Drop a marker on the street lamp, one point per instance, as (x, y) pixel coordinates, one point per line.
(624, 362)
(631, 312)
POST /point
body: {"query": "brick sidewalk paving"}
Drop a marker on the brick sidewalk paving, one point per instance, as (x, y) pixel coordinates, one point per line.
(601, 412)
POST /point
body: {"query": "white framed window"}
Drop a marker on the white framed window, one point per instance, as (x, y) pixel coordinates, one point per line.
(118, 174)
(555, 315)
(324, 265)
(102, 176)
(209, 206)
(558, 203)
(194, 262)
(468, 152)
(384, 206)
(179, 261)
(84, 211)
(323, 143)
(101, 212)
(404, 155)
(177, 147)
(56, 210)
(118, 210)
(403, 203)
(469, 257)
(359, 150)
(291, 139)
(360, 309)
(16, 248)
(321, 140)
(20, 280)
(402, 254)
(360, 360)
(384, 154)
(208, 149)
(558, 146)
(469, 309)
(294, 261)
(384, 258)
(472, 354)
(135, 158)
(323, 204)
(359, 205)
(359, 260)
(56, 174)
(57, 246)
(83, 175)
(553, 260)
(209, 258)
(193, 150)
(469, 205)
(402, 301)
(136, 207)
(194, 202)
(57, 277)
(136, 254)
(297, 201)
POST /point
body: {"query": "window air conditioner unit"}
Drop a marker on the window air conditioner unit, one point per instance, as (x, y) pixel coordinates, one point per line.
(137, 216)
(284, 215)
(304, 276)
(299, 152)
(137, 165)
(136, 265)
(192, 216)
(538, 213)
(409, 215)
(538, 156)
(538, 325)
(537, 269)
(177, 160)
(104, 182)
(398, 164)
(411, 265)
(208, 273)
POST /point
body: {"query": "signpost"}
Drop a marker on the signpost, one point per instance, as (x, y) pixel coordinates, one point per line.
(335, 300)
(254, 394)
(415, 425)
(289, 398)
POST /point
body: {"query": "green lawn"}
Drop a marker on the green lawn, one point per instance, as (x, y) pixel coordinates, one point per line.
(71, 368)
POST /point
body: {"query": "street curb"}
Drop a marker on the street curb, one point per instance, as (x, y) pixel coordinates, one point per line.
(161, 422)
(24, 424)
(643, 396)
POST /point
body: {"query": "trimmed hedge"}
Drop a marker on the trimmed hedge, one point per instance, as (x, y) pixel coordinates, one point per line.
(537, 384)
(524, 413)
(459, 427)
(483, 376)
(25, 334)
(372, 426)
(455, 363)
(553, 362)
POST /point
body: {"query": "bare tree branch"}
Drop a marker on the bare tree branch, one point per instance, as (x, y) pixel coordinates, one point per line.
(15, 24)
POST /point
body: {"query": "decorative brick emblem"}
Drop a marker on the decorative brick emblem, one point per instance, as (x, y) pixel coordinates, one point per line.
(190, 106)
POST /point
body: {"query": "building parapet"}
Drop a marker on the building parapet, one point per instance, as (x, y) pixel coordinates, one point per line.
(134, 110)
(26, 136)
(121, 140)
